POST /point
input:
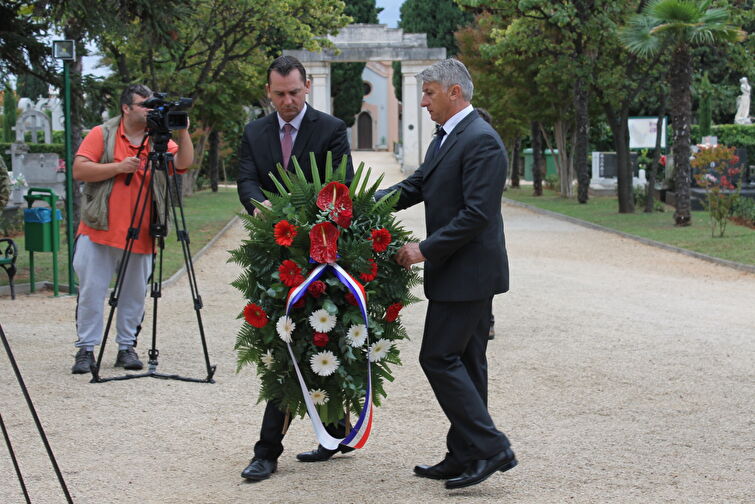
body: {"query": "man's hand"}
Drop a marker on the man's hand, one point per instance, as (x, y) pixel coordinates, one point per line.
(129, 165)
(257, 211)
(409, 254)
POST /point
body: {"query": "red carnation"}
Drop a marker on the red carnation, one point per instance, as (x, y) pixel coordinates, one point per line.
(324, 242)
(343, 217)
(255, 315)
(351, 299)
(285, 232)
(290, 273)
(391, 313)
(369, 277)
(381, 238)
(316, 289)
(320, 339)
(298, 304)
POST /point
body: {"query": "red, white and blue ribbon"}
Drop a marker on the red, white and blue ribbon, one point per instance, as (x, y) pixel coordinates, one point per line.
(357, 436)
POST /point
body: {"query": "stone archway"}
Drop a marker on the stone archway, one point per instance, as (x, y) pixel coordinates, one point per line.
(368, 42)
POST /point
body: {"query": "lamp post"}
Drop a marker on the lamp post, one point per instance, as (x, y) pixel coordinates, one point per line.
(65, 50)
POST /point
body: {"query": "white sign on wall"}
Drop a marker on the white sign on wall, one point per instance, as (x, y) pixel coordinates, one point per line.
(642, 131)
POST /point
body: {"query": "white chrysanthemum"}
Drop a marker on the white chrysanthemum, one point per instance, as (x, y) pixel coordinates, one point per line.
(322, 321)
(380, 349)
(268, 359)
(324, 363)
(285, 327)
(318, 396)
(357, 335)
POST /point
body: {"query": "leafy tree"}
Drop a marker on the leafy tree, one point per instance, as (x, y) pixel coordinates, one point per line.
(31, 86)
(346, 78)
(676, 26)
(704, 110)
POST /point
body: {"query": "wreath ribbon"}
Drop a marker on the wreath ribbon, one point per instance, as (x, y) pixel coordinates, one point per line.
(357, 436)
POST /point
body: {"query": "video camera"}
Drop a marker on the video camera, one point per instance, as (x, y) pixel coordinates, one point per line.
(166, 116)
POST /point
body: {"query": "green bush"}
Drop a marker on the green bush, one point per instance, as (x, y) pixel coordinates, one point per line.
(745, 208)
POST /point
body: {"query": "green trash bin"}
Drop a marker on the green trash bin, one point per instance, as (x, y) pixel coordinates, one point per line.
(550, 163)
(42, 230)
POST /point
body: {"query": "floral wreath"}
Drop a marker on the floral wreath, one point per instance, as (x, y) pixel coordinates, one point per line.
(297, 314)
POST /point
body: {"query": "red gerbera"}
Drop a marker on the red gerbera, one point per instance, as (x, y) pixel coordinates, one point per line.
(369, 277)
(381, 238)
(316, 289)
(324, 242)
(320, 339)
(391, 313)
(343, 217)
(255, 315)
(285, 232)
(290, 273)
(350, 298)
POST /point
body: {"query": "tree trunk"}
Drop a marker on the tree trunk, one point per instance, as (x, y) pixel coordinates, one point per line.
(538, 161)
(582, 121)
(620, 130)
(680, 79)
(214, 155)
(515, 162)
(654, 167)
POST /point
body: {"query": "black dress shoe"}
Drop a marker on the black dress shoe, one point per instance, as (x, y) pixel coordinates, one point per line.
(479, 470)
(322, 454)
(259, 469)
(442, 470)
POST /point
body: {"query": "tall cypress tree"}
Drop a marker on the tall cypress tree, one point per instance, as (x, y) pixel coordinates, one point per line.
(9, 113)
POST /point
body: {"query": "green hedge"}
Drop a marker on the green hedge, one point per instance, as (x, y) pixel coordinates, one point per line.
(57, 148)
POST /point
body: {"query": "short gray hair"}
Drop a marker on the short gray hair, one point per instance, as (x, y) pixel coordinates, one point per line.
(447, 73)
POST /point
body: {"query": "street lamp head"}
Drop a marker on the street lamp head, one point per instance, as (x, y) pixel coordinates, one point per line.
(64, 50)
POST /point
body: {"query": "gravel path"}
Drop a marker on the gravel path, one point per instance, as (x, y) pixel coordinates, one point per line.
(621, 373)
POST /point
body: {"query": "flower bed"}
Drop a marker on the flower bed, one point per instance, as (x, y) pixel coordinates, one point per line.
(309, 225)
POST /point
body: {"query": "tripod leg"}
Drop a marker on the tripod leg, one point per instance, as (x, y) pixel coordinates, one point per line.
(183, 238)
(15, 462)
(34, 415)
(156, 293)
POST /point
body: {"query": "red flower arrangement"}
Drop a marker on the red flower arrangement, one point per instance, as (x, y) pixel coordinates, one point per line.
(349, 297)
(381, 238)
(372, 275)
(284, 232)
(255, 315)
(391, 313)
(316, 289)
(323, 243)
(320, 339)
(290, 273)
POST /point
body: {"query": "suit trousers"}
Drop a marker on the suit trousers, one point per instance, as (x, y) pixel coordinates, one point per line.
(270, 444)
(95, 265)
(453, 358)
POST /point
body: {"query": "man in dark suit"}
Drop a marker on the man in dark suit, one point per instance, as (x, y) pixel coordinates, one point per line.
(465, 264)
(296, 129)
(295, 124)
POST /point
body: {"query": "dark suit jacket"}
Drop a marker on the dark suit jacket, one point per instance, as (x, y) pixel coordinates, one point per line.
(260, 151)
(461, 187)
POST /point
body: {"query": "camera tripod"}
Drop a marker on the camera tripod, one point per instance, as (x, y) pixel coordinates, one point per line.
(159, 165)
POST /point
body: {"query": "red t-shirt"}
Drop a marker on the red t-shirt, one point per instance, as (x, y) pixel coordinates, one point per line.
(123, 198)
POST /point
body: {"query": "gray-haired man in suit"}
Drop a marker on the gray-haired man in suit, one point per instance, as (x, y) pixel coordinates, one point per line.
(461, 182)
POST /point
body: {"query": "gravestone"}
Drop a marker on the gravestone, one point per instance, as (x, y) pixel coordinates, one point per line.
(39, 170)
(605, 172)
(35, 122)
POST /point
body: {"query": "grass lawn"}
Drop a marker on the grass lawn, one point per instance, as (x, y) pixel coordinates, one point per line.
(737, 244)
(206, 214)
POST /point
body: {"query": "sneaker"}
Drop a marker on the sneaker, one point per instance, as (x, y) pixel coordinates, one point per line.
(128, 359)
(83, 363)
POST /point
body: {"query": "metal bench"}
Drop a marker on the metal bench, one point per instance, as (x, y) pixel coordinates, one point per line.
(8, 261)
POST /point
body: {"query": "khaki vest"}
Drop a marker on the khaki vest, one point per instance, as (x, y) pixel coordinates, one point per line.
(96, 195)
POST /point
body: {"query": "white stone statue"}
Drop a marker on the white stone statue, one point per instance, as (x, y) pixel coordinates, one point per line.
(743, 103)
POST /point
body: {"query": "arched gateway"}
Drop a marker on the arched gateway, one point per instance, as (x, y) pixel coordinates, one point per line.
(369, 42)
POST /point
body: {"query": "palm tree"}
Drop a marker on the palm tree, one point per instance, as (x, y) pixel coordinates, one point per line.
(677, 26)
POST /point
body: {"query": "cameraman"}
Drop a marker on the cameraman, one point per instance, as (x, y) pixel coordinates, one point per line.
(104, 161)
